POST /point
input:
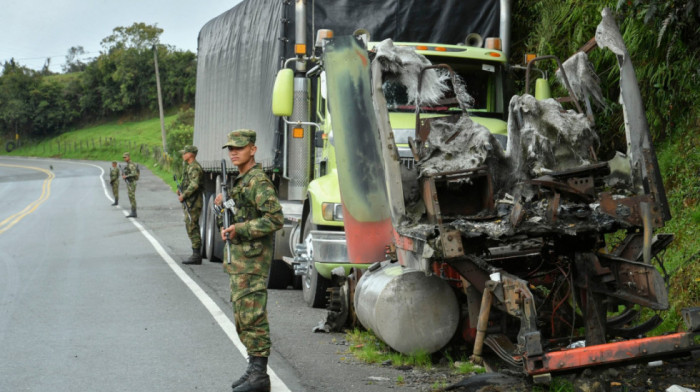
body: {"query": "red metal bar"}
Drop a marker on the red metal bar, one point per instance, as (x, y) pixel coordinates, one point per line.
(628, 350)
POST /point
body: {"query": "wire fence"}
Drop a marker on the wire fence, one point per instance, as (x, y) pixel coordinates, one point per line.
(108, 145)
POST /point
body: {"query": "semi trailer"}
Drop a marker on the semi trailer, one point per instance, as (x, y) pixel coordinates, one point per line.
(426, 202)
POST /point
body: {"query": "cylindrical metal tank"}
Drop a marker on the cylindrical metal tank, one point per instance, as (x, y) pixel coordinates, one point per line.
(406, 309)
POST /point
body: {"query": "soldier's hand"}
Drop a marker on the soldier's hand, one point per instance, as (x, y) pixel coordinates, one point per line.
(180, 197)
(217, 200)
(230, 231)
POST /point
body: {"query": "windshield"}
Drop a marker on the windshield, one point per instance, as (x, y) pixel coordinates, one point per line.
(482, 81)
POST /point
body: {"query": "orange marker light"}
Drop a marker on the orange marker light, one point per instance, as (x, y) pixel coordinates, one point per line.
(421, 47)
(441, 49)
(300, 48)
(494, 54)
(493, 43)
(529, 57)
(298, 133)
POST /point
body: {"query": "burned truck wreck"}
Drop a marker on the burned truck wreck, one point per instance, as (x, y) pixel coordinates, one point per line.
(502, 243)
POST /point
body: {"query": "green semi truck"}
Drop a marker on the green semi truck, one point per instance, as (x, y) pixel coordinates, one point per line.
(239, 55)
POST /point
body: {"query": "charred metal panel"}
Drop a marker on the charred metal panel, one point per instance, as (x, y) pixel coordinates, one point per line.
(361, 178)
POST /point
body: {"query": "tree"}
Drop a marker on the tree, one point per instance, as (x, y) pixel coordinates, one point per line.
(73, 63)
(16, 84)
(137, 36)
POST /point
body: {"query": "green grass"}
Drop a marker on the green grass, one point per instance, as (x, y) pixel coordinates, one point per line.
(366, 347)
(107, 142)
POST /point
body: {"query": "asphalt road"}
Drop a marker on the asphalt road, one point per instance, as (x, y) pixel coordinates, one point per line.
(90, 300)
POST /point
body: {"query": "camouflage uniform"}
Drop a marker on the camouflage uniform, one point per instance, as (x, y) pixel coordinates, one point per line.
(114, 180)
(192, 187)
(257, 216)
(130, 173)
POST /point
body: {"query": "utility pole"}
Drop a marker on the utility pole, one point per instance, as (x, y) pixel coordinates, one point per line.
(160, 101)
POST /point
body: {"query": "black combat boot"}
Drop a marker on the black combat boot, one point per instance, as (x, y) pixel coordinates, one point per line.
(258, 380)
(133, 213)
(116, 202)
(245, 375)
(196, 258)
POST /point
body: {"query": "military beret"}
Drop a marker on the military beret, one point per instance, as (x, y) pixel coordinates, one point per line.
(187, 149)
(240, 138)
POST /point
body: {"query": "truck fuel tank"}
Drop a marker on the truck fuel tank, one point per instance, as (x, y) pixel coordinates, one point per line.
(406, 309)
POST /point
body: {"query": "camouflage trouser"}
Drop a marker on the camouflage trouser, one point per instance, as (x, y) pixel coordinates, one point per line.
(131, 190)
(192, 226)
(115, 190)
(249, 297)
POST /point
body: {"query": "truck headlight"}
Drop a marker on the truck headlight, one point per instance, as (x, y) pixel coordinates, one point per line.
(332, 211)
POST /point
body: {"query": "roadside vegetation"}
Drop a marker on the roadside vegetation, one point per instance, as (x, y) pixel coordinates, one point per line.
(119, 83)
(107, 142)
(663, 38)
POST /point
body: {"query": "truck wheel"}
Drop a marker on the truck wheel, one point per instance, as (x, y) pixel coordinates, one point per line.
(210, 230)
(203, 225)
(279, 277)
(313, 285)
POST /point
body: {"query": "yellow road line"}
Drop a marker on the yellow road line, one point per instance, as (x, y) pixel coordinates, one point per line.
(45, 193)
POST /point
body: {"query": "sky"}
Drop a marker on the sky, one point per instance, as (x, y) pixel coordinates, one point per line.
(33, 30)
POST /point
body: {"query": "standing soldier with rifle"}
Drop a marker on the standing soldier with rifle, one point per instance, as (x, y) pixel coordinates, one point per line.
(257, 214)
(190, 195)
(114, 180)
(130, 176)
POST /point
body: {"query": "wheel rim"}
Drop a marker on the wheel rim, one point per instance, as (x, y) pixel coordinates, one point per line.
(211, 223)
(203, 226)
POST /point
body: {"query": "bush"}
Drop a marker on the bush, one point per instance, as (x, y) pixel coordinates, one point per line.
(179, 134)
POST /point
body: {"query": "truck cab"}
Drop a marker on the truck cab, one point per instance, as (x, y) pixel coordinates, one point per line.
(319, 238)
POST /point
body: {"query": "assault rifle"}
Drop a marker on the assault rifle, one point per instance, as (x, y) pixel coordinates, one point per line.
(184, 202)
(121, 170)
(227, 204)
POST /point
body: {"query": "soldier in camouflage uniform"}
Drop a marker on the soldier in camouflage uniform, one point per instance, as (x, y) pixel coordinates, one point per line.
(257, 215)
(191, 199)
(114, 180)
(130, 177)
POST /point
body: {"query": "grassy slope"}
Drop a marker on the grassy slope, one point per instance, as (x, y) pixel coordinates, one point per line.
(110, 141)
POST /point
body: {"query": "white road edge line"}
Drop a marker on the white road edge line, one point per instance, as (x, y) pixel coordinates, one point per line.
(224, 322)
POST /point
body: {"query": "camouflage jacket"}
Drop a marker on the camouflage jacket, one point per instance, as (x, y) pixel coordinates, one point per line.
(257, 215)
(193, 181)
(114, 175)
(130, 171)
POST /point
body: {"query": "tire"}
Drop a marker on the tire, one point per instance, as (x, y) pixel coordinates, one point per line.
(203, 225)
(211, 231)
(9, 146)
(313, 285)
(280, 276)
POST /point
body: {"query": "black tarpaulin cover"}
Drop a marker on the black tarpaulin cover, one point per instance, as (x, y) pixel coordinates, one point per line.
(240, 51)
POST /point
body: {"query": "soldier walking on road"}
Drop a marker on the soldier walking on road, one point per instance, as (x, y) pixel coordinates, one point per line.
(257, 215)
(191, 199)
(114, 180)
(131, 176)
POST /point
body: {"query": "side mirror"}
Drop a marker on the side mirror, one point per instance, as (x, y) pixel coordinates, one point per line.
(542, 90)
(283, 93)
